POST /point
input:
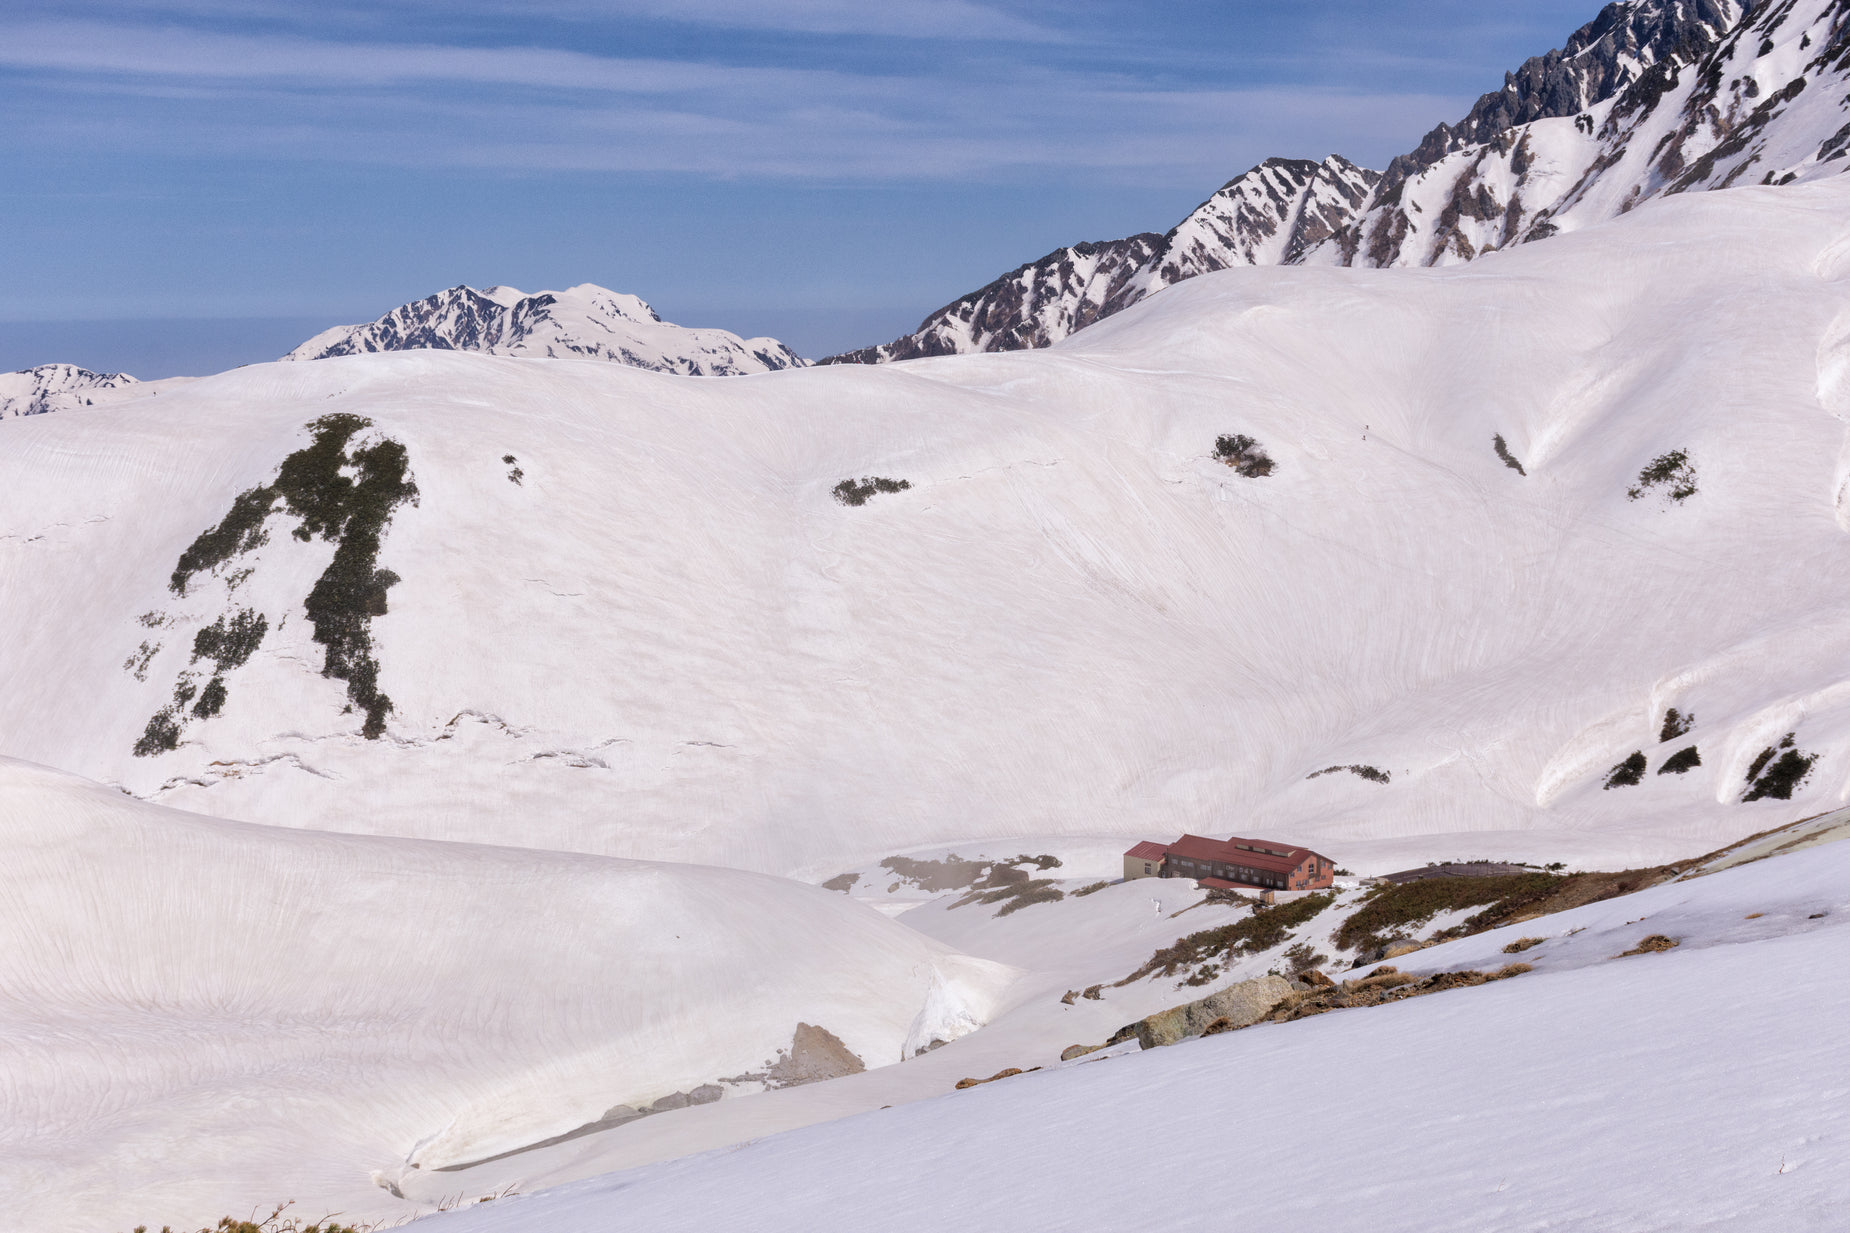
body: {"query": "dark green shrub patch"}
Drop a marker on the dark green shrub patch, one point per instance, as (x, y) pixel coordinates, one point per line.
(211, 699)
(137, 664)
(1503, 452)
(851, 492)
(161, 734)
(1778, 770)
(1628, 773)
(1672, 472)
(1209, 949)
(1371, 774)
(345, 496)
(1243, 454)
(239, 531)
(1681, 762)
(1676, 724)
(229, 645)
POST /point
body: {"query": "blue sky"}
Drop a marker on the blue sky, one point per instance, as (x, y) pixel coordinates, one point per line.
(193, 183)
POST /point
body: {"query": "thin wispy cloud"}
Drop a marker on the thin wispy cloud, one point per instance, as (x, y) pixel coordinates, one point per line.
(198, 157)
(552, 109)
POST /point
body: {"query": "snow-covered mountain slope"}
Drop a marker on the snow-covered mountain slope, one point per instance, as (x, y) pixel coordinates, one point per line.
(1652, 97)
(1270, 215)
(625, 614)
(1692, 1089)
(200, 1016)
(53, 387)
(1766, 101)
(584, 322)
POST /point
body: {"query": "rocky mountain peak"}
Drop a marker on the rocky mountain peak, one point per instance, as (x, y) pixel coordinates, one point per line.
(583, 322)
(53, 387)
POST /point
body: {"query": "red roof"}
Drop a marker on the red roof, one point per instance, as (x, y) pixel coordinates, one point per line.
(1260, 854)
(1147, 851)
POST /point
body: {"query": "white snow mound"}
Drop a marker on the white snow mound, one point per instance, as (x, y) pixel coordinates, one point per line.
(200, 1016)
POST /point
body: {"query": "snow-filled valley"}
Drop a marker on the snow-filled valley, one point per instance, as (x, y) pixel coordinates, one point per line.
(1702, 1088)
(428, 775)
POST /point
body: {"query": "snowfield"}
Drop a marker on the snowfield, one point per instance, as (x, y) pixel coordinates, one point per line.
(448, 745)
(1701, 1088)
(198, 1016)
(655, 634)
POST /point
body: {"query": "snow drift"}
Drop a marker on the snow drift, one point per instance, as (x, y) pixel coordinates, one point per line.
(200, 1016)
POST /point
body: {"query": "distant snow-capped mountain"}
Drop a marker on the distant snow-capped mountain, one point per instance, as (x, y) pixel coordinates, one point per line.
(52, 387)
(1269, 216)
(582, 322)
(1652, 97)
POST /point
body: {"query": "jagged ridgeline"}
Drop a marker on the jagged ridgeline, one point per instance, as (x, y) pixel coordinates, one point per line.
(343, 493)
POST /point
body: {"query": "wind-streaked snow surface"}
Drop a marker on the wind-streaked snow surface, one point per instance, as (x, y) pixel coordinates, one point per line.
(667, 641)
(643, 669)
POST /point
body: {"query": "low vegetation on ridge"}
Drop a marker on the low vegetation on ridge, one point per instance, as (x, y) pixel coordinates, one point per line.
(345, 497)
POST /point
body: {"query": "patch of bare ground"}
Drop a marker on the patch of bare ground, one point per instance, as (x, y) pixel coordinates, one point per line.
(1522, 944)
(1651, 946)
(1389, 912)
(1000, 1074)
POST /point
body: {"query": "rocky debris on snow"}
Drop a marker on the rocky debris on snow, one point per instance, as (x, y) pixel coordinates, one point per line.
(954, 872)
(815, 1054)
(613, 1117)
(1009, 1073)
(1242, 1003)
